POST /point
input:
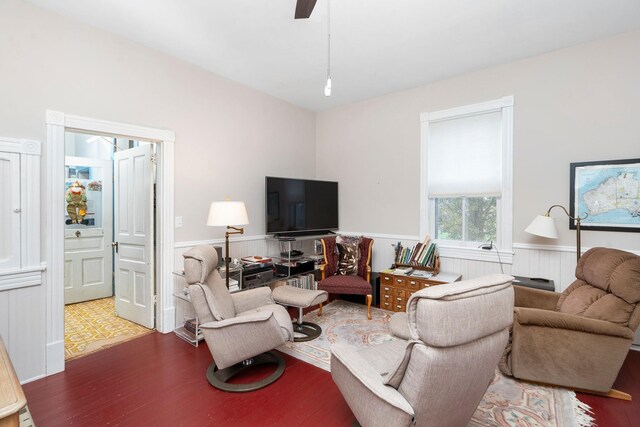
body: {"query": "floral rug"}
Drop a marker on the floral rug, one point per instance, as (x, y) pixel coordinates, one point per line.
(506, 403)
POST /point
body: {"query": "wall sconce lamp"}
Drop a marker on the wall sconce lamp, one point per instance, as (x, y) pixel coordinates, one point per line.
(545, 226)
(229, 214)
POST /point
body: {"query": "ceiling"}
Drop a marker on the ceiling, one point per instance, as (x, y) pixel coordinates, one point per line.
(378, 46)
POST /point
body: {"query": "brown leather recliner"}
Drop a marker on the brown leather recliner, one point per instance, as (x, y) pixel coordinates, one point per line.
(580, 338)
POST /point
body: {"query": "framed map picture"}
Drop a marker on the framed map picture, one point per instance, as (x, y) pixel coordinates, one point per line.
(608, 192)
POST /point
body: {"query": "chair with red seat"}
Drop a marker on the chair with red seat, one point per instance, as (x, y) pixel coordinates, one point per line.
(345, 281)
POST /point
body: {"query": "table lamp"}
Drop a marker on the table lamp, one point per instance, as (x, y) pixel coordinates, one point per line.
(228, 214)
(545, 226)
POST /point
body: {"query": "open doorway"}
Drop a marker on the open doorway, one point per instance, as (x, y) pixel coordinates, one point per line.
(109, 274)
(57, 124)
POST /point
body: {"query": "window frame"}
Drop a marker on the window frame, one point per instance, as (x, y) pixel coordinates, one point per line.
(504, 203)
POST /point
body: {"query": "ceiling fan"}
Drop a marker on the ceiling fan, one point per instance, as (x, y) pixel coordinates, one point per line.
(304, 8)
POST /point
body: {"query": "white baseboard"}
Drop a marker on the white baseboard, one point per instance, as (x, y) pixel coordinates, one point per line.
(55, 357)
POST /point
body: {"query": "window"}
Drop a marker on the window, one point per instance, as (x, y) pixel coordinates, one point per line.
(466, 175)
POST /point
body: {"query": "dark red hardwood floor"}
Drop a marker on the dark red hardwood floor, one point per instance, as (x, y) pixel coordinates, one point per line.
(159, 380)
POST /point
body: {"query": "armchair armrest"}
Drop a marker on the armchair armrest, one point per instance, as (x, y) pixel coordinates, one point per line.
(369, 377)
(260, 316)
(251, 299)
(240, 338)
(554, 319)
(535, 298)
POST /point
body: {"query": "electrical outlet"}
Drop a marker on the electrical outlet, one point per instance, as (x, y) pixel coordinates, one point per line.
(178, 221)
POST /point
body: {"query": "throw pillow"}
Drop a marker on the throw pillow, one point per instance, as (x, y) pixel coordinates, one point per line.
(348, 255)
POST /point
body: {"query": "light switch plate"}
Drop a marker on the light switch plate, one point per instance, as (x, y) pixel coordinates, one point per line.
(178, 221)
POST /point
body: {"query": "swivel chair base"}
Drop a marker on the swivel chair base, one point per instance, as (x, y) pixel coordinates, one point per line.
(308, 330)
(219, 377)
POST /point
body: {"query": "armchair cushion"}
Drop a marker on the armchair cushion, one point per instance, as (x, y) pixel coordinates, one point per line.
(205, 303)
(354, 285)
(198, 263)
(251, 298)
(348, 255)
(591, 302)
(604, 286)
(457, 308)
(200, 269)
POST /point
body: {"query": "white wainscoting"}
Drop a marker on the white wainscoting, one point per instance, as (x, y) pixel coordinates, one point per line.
(557, 263)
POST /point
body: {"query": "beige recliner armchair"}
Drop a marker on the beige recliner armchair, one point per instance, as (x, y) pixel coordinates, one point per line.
(457, 334)
(579, 338)
(239, 328)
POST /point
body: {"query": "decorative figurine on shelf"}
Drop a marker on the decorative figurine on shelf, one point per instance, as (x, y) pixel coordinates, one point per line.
(76, 202)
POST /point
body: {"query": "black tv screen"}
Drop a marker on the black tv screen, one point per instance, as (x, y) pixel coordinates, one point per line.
(300, 206)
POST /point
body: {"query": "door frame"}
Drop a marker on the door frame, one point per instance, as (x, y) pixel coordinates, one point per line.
(57, 123)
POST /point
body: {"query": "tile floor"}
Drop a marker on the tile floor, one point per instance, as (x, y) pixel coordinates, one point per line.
(91, 326)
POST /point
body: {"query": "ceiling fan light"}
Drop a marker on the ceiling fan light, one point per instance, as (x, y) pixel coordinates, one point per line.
(327, 88)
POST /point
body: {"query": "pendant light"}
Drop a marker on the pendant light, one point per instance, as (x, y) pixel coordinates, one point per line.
(327, 88)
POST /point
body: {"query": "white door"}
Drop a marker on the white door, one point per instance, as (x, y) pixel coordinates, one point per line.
(134, 269)
(87, 239)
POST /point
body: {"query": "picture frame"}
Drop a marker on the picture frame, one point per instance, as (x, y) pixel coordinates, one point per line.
(608, 191)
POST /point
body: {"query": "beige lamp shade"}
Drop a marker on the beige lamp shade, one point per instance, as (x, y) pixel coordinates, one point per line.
(544, 226)
(227, 213)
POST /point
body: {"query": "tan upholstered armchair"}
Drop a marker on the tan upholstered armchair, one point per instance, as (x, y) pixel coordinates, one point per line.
(239, 328)
(457, 334)
(580, 338)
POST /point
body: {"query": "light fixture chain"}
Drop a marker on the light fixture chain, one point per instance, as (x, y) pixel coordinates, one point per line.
(328, 38)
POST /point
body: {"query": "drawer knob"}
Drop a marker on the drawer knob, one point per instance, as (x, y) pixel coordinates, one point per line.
(398, 306)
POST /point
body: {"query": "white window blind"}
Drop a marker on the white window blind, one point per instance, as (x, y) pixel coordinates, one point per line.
(465, 156)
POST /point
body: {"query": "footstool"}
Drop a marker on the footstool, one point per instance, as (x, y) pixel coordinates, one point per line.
(301, 298)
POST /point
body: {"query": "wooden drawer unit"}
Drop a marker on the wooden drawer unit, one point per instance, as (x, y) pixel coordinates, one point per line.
(395, 290)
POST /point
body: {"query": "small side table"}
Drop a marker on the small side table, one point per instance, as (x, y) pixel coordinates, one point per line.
(532, 282)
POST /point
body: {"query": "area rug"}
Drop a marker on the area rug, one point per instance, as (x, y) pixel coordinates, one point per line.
(93, 325)
(506, 403)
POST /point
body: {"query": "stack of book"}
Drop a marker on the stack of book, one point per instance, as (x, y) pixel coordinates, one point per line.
(190, 329)
(305, 281)
(422, 254)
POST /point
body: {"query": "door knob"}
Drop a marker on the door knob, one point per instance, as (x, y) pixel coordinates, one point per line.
(78, 233)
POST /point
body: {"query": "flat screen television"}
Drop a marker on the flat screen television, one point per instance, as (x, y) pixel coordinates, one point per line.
(300, 206)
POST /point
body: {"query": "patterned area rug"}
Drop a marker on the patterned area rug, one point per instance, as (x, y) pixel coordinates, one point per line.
(506, 403)
(91, 326)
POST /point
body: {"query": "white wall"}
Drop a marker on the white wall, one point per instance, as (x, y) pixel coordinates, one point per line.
(228, 136)
(577, 104)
